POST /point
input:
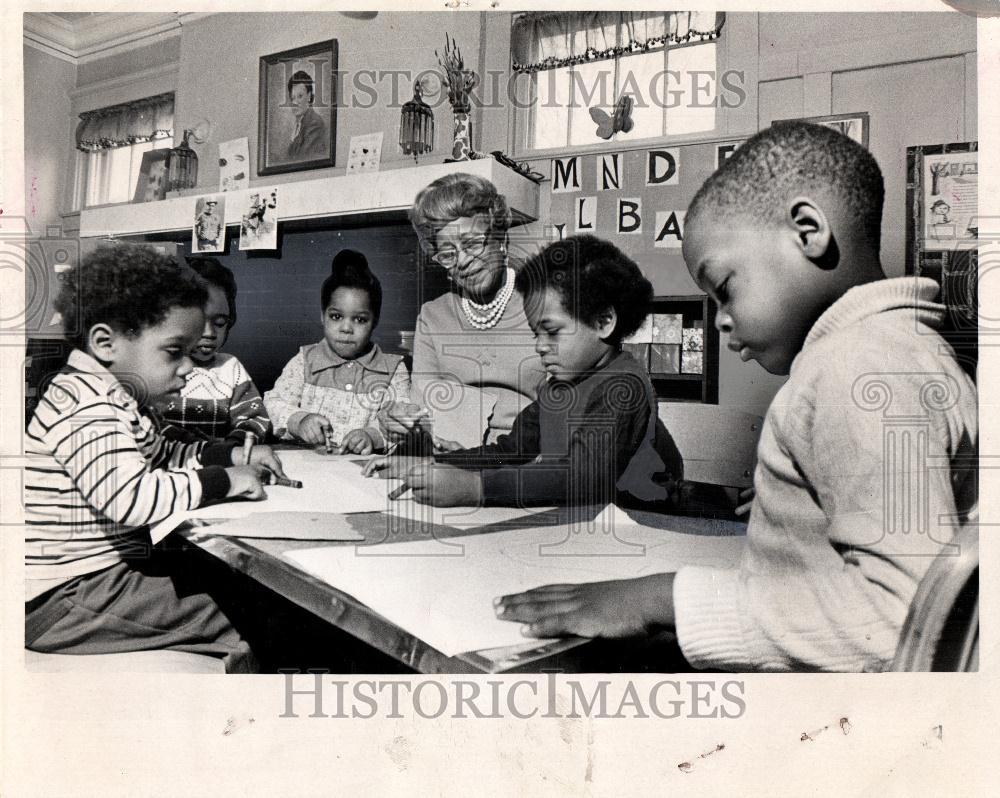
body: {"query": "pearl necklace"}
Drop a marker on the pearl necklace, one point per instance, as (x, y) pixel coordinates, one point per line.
(483, 317)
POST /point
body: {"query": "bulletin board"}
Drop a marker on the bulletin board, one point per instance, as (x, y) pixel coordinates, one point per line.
(943, 236)
(637, 200)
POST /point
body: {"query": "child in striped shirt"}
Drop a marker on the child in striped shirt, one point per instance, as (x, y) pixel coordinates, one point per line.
(333, 390)
(100, 471)
(219, 399)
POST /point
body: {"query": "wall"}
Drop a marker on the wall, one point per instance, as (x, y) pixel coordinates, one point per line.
(48, 126)
(914, 73)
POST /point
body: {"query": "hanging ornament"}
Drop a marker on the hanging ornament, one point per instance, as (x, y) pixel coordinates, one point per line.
(182, 166)
(416, 125)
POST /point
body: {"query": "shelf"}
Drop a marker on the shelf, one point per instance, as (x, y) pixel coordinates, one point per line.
(375, 196)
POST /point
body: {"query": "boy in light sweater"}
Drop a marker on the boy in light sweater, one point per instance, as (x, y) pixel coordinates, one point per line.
(866, 463)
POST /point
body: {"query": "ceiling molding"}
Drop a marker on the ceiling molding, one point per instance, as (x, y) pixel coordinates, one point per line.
(101, 35)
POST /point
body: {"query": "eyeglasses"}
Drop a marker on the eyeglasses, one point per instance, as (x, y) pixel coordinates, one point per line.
(447, 257)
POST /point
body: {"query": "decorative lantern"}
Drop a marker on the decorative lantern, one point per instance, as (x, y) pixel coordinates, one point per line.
(182, 166)
(416, 125)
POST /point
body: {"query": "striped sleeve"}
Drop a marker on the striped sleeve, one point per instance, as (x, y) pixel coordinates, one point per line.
(104, 449)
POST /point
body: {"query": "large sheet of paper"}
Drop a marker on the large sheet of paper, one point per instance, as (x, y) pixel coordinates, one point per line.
(329, 485)
(464, 419)
(447, 600)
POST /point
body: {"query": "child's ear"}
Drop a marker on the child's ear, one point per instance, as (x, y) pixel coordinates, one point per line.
(812, 228)
(102, 340)
(607, 320)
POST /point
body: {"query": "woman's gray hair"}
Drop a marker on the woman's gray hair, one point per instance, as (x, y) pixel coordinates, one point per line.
(457, 196)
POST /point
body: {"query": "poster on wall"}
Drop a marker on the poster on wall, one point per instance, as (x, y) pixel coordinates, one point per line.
(365, 154)
(234, 165)
(259, 223)
(208, 233)
(950, 201)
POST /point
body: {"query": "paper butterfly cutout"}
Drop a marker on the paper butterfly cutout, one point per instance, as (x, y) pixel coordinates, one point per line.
(620, 120)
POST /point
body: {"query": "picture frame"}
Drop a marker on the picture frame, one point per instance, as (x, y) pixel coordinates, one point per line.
(151, 185)
(854, 126)
(297, 109)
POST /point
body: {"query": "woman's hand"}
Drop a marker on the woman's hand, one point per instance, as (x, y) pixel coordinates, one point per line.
(312, 428)
(357, 441)
(442, 445)
(444, 485)
(620, 608)
(390, 467)
(399, 418)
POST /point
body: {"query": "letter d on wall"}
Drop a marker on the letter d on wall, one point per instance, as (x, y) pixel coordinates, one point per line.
(662, 167)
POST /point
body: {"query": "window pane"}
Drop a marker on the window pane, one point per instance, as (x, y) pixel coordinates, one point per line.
(641, 77)
(691, 99)
(551, 112)
(592, 87)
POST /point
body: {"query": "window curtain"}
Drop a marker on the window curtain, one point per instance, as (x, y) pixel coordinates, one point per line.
(126, 124)
(548, 40)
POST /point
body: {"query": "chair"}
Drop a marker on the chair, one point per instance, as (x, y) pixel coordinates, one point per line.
(131, 662)
(718, 445)
(941, 631)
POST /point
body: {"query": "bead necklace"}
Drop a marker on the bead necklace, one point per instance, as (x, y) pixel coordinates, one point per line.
(483, 317)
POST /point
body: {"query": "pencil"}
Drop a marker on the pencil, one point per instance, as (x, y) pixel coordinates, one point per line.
(248, 443)
(399, 491)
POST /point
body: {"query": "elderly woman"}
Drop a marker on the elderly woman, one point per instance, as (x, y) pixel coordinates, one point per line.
(477, 334)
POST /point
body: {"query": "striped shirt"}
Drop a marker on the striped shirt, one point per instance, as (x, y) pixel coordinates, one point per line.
(217, 401)
(99, 472)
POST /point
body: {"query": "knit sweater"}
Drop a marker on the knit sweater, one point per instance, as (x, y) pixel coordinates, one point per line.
(866, 466)
(217, 401)
(501, 361)
(99, 472)
(592, 441)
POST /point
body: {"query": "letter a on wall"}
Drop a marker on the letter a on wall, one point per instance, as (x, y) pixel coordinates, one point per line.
(662, 167)
(609, 172)
(586, 214)
(565, 175)
(669, 229)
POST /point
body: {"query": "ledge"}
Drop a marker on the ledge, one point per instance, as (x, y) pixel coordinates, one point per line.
(379, 195)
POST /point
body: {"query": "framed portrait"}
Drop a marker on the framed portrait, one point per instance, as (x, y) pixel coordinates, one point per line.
(854, 126)
(297, 109)
(152, 183)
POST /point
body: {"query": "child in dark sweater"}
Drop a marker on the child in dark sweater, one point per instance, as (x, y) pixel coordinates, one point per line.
(593, 435)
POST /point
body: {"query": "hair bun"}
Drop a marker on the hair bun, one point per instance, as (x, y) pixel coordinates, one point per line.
(349, 261)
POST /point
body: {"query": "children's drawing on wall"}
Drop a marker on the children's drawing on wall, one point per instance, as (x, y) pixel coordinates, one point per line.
(209, 231)
(259, 226)
(234, 165)
(951, 192)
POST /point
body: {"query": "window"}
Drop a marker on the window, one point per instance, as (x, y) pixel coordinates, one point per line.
(110, 143)
(572, 62)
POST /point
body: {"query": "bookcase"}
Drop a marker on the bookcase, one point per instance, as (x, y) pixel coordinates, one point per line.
(679, 346)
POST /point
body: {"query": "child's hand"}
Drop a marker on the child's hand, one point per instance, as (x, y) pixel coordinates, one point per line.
(392, 467)
(444, 485)
(357, 441)
(399, 418)
(312, 429)
(621, 608)
(262, 455)
(746, 501)
(246, 482)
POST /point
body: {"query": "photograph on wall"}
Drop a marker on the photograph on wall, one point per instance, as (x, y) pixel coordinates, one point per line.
(151, 185)
(951, 201)
(259, 223)
(208, 234)
(854, 126)
(234, 164)
(297, 113)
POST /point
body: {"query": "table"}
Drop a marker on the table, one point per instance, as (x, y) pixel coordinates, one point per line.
(264, 561)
